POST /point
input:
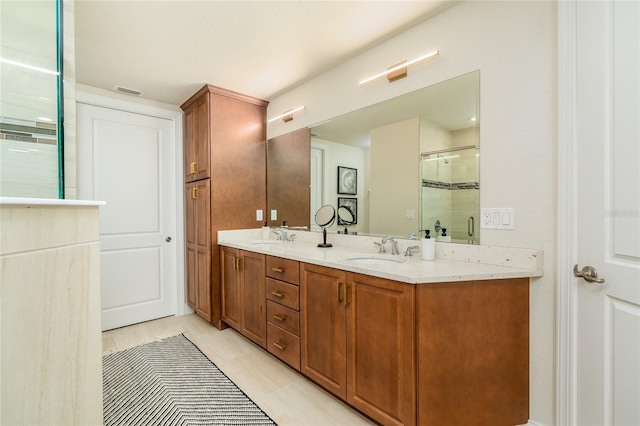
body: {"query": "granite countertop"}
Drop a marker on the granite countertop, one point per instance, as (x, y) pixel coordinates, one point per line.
(454, 262)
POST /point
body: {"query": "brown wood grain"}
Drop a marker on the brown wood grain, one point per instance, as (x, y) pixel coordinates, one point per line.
(473, 346)
(253, 324)
(323, 328)
(381, 350)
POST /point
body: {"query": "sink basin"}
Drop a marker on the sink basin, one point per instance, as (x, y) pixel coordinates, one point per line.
(265, 242)
(374, 260)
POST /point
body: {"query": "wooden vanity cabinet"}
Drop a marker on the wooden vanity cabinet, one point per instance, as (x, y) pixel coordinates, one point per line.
(357, 341)
(473, 346)
(224, 144)
(243, 293)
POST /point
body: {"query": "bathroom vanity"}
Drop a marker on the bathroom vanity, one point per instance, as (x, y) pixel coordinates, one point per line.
(404, 341)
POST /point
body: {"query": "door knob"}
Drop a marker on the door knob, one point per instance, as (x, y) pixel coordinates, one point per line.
(589, 273)
(168, 239)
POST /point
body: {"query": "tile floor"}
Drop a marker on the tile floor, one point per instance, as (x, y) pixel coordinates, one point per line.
(281, 392)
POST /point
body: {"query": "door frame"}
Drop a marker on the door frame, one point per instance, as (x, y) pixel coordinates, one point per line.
(175, 116)
(566, 220)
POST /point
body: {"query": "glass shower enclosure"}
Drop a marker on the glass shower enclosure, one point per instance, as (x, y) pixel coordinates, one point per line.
(450, 199)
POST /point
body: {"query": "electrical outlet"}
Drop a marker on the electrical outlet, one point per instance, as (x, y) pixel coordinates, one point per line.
(274, 214)
(485, 215)
(497, 218)
(259, 215)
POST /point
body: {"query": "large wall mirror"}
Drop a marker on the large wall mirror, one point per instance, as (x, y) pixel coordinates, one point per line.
(30, 102)
(400, 166)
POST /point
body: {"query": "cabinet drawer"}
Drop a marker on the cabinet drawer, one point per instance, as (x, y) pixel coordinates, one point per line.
(283, 269)
(284, 345)
(283, 317)
(283, 293)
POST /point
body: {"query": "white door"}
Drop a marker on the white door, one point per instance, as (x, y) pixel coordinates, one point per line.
(608, 211)
(127, 160)
(317, 184)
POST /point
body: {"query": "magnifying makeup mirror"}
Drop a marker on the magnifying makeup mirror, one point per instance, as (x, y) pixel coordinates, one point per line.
(346, 217)
(325, 216)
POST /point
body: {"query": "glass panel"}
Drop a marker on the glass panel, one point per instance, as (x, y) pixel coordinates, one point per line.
(450, 187)
(30, 119)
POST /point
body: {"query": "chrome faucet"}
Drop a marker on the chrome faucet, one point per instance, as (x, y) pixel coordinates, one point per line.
(380, 247)
(407, 252)
(437, 226)
(394, 244)
(282, 235)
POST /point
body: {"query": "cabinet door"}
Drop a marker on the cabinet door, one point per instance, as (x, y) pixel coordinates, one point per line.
(191, 245)
(198, 247)
(196, 140)
(203, 231)
(231, 307)
(254, 318)
(380, 348)
(323, 328)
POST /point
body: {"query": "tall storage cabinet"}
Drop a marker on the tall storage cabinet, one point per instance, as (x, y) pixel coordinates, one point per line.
(224, 149)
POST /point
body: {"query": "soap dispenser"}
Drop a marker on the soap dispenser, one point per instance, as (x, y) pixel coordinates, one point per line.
(428, 247)
(444, 237)
(266, 231)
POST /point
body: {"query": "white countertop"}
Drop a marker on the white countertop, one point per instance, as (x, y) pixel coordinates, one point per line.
(17, 201)
(454, 262)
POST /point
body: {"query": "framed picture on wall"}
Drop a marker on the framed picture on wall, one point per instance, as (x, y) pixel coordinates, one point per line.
(347, 180)
(352, 205)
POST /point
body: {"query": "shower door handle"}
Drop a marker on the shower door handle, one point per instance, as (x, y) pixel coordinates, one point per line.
(471, 226)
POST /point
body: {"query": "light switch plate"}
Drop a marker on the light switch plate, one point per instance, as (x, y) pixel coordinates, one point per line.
(274, 214)
(497, 218)
(259, 215)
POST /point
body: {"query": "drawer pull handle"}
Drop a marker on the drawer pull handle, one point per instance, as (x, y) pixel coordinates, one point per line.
(193, 168)
(276, 269)
(281, 346)
(279, 318)
(277, 294)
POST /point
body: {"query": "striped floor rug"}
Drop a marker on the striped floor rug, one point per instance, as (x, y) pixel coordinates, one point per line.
(170, 382)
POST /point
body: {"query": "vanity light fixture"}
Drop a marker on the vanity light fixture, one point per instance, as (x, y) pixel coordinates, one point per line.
(399, 71)
(287, 115)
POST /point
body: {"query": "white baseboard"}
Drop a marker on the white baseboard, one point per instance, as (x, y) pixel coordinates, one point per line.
(533, 423)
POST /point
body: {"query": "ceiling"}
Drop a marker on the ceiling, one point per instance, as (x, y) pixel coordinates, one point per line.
(169, 49)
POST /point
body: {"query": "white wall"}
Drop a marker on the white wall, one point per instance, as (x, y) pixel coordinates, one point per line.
(395, 178)
(513, 44)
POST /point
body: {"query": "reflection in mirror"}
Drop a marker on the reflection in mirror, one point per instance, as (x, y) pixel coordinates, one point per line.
(449, 198)
(396, 191)
(288, 180)
(30, 140)
(325, 216)
(346, 218)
